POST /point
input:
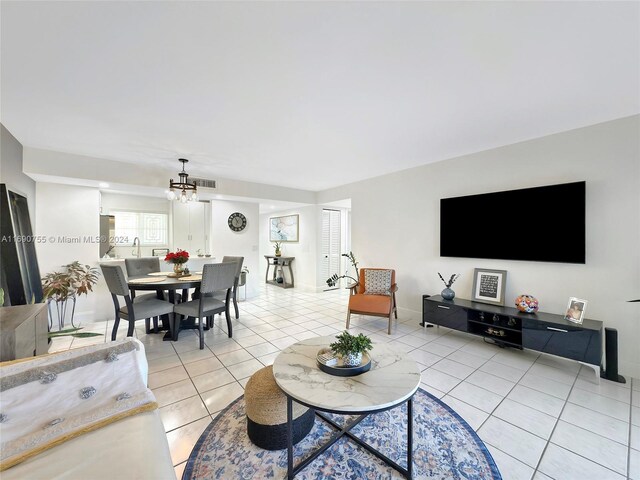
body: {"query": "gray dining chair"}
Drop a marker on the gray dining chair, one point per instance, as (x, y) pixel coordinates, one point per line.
(234, 293)
(215, 277)
(133, 309)
(141, 266)
(137, 267)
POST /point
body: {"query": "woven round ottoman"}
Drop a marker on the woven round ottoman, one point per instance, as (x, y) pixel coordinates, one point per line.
(266, 407)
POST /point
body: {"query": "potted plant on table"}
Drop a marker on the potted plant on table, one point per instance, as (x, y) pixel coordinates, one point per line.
(178, 259)
(277, 247)
(351, 347)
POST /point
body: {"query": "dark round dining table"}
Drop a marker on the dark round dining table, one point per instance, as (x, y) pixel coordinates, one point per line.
(170, 285)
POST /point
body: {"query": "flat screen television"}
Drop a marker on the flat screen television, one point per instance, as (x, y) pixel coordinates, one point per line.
(544, 224)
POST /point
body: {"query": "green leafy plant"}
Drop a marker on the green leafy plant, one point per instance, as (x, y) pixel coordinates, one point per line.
(348, 344)
(1, 297)
(277, 247)
(333, 280)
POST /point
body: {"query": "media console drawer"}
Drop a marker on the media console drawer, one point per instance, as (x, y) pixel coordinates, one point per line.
(569, 341)
(445, 315)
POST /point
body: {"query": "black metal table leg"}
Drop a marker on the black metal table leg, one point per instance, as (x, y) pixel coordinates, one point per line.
(289, 438)
(410, 438)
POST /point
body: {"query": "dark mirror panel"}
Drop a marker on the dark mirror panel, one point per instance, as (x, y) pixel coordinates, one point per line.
(20, 272)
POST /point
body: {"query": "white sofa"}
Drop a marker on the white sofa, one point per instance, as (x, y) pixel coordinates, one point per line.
(134, 447)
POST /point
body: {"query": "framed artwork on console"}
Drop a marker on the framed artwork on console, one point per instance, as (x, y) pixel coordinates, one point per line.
(489, 286)
(575, 310)
(284, 229)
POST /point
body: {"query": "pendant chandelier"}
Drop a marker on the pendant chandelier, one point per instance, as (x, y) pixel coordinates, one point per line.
(183, 190)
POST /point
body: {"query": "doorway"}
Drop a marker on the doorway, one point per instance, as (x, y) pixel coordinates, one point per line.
(331, 242)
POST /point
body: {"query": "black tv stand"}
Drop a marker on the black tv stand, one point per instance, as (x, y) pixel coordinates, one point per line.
(508, 327)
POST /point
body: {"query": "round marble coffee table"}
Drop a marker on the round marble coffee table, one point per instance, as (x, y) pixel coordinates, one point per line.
(393, 380)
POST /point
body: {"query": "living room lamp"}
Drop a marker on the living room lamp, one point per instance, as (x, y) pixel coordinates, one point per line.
(183, 190)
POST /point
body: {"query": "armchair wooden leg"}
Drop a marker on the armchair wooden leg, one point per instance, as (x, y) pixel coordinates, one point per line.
(390, 320)
(155, 324)
(147, 326)
(348, 318)
(395, 306)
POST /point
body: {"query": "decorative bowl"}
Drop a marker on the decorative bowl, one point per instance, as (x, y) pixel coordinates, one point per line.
(527, 303)
(339, 368)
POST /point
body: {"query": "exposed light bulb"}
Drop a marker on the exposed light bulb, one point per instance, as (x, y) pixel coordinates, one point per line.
(171, 195)
(183, 197)
(194, 196)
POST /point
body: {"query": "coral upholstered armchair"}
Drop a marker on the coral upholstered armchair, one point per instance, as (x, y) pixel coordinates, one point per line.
(374, 294)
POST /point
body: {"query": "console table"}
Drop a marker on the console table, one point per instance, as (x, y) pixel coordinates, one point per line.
(24, 331)
(506, 326)
(279, 264)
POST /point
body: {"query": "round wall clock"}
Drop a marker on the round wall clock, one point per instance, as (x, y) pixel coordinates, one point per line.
(237, 222)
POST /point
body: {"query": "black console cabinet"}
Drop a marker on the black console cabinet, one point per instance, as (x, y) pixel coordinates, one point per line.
(544, 332)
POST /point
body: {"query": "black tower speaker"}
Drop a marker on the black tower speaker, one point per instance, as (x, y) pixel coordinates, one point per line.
(611, 355)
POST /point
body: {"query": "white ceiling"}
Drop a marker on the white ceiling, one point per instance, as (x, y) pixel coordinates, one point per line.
(310, 95)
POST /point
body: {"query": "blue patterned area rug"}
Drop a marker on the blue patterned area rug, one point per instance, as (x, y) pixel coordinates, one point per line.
(444, 445)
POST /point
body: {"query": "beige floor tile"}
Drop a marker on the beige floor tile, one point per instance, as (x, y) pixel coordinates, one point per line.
(182, 440)
(234, 357)
(221, 397)
(166, 377)
(183, 412)
(211, 380)
(203, 366)
(245, 369)
(174, 392)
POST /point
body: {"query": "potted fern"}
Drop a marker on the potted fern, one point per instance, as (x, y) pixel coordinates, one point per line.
(351, 347)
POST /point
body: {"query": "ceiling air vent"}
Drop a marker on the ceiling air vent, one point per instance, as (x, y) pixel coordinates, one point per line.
(203, 182)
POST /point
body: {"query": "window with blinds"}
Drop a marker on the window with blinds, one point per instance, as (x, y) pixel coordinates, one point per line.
(151, 228)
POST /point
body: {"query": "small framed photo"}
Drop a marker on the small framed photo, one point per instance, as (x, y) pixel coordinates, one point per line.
(575, 310)
(489, 286)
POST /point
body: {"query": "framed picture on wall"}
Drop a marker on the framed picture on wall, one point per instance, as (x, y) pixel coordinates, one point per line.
(284, 229)
(575, 310)
(489, 286)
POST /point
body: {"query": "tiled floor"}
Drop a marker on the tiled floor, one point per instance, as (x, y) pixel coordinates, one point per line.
(541, 417)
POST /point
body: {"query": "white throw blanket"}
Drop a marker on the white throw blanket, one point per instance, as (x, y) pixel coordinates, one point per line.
(48, 400)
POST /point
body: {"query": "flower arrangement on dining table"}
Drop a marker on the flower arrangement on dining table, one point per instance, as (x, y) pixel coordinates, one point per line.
(178, 259)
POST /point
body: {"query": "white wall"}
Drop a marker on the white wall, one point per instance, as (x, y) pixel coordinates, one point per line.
(395, 223)
(306, 251)
(66, 216)
(11, 171)
(224, 241)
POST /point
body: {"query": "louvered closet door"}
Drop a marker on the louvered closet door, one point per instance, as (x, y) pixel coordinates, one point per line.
(330, 250)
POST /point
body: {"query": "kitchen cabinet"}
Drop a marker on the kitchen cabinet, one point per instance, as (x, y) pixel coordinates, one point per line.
(191, 224)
